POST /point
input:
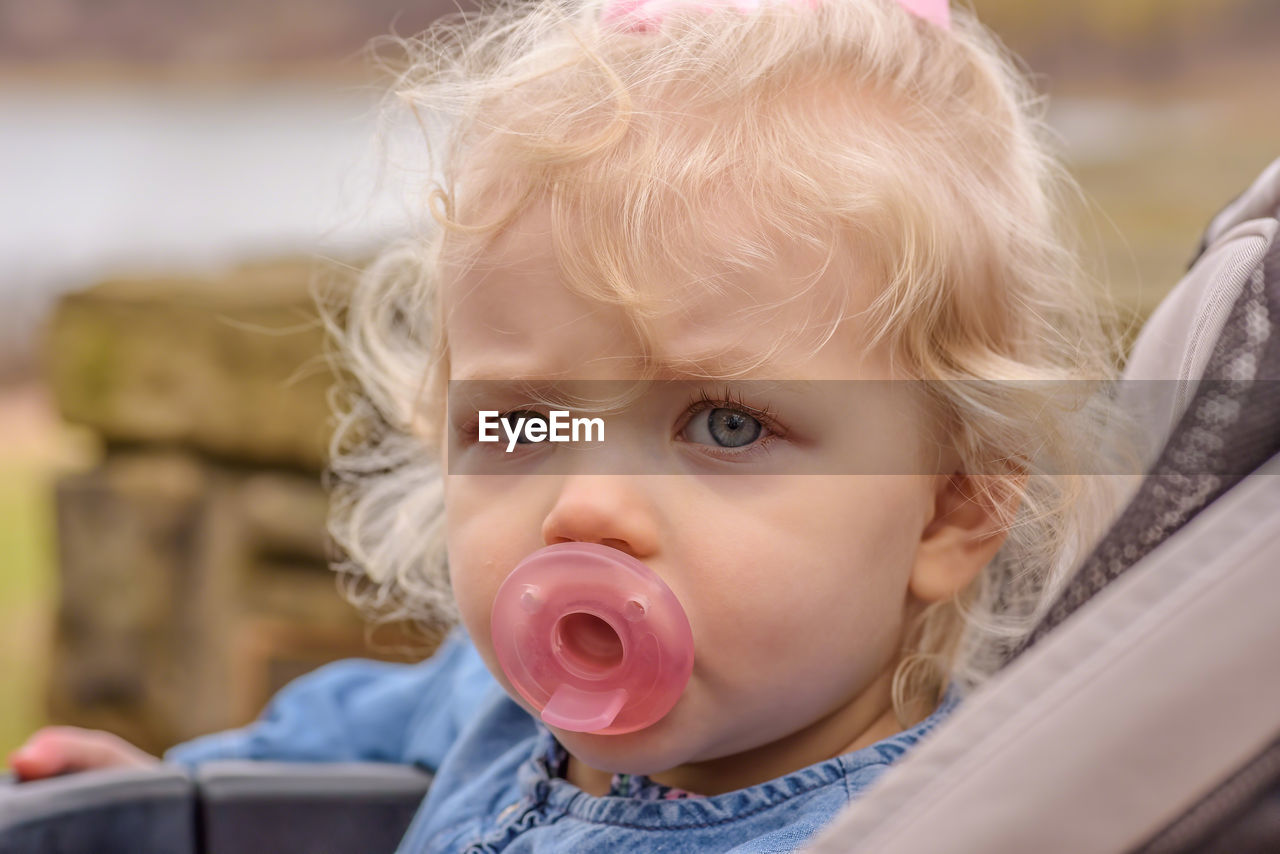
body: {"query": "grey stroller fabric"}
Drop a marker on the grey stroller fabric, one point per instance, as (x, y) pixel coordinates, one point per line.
(1173, 349)
(1230, 427)
(122, 811)
(228, 808)
(1241, 815)
(1260, 201)
(348, 808)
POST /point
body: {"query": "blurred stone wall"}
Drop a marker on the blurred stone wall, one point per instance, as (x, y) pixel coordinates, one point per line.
(193, 559)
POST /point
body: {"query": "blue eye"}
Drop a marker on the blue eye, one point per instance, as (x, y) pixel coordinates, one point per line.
(727, 428)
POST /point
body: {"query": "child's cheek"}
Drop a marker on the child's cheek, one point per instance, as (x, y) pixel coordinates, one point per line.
(484, 542)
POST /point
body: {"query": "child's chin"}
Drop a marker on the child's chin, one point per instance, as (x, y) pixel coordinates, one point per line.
(647, 751)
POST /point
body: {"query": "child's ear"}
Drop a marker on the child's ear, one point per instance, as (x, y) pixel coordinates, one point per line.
(970, 522)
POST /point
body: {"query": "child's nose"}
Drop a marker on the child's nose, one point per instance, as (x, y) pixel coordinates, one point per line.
(607, 509)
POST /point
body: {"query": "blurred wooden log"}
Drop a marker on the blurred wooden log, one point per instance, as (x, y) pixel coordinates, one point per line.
(231, 366)
(194, 559)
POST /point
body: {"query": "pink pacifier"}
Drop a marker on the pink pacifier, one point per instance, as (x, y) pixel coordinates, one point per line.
(592, 638)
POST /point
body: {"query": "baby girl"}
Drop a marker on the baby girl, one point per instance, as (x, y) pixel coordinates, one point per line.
(815, 249)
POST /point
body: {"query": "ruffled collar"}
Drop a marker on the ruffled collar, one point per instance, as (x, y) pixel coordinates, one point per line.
(552, 758)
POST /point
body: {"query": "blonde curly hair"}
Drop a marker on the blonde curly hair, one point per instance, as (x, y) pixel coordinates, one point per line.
(849, 127)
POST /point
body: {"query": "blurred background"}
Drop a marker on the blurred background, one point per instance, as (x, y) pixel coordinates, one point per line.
(174, 175)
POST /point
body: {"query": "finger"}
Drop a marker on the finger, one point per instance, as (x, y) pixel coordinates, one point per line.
(84, 749)
(37, 759)
(64, 749)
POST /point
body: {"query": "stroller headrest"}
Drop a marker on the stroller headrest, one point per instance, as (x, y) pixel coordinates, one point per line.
(1260, 201)
(1208, 401)
(1172, 351)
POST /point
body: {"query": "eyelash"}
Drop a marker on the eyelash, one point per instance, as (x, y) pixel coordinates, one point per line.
(729, 399)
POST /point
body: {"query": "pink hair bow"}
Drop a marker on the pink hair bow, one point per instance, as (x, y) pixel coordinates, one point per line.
(644, 14)
(937, 11)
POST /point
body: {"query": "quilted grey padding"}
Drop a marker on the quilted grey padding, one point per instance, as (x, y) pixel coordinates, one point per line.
(1230, 427)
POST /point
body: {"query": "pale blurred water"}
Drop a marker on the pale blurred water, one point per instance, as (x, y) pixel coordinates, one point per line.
(100, 182)
(1099, 129)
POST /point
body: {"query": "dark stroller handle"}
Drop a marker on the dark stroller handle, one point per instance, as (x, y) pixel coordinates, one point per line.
(225, 807)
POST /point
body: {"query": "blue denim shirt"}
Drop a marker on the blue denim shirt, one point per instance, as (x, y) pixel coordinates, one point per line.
(497, 787)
